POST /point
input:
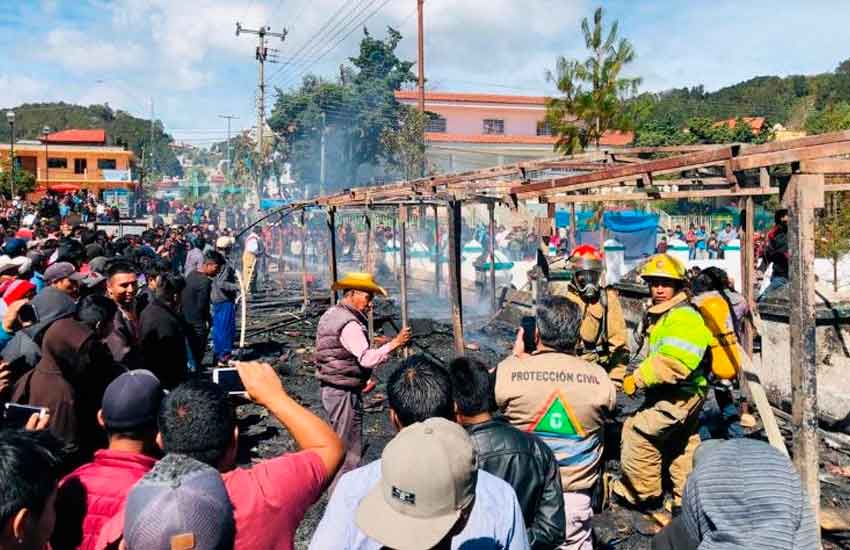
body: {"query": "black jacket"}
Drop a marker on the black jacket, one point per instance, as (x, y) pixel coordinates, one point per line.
(163, 338)
(195, 299)
(529, 466)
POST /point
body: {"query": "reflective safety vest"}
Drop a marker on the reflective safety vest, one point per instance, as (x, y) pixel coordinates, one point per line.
(678, 342)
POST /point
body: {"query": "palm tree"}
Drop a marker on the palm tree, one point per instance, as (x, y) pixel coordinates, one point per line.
(594, 94)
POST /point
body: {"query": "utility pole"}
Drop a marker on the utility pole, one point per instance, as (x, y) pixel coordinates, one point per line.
(229, 160)
(421, 67)
(262, 55)
(421, 58)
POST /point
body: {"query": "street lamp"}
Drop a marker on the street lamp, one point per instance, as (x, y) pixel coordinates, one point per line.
(10, 116)
(44, 133)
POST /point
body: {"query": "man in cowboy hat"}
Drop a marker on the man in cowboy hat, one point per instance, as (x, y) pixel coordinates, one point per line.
(345, 360)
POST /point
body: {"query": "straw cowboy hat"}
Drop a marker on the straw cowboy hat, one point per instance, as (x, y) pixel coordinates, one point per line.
(359, 281)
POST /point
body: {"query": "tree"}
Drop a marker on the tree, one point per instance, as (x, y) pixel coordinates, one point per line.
(833, 233)
(832, 119)
(594, 93)
(24, 180)
(406, 146)
(353, 112)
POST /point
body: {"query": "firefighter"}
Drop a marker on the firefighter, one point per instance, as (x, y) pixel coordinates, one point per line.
(603, 328)
(673, 377)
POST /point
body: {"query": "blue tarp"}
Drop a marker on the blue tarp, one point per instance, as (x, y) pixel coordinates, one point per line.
(637, 231)
(562, 219)
(268, 204)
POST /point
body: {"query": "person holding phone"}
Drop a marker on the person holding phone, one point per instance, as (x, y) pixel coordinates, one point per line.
(346, 361)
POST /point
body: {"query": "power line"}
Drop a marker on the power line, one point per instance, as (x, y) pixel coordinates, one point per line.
(334, 46)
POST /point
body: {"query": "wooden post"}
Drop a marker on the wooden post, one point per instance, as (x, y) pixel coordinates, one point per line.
(332, 268)
(369, 268)
(491, 210)
(455, 289)
(304, 259)
(573, 242)
(438, 264)
(395, 252)
(748, 260)
(803, 195)
(405, 318)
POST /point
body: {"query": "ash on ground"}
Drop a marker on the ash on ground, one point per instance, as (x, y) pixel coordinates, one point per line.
(279, 333)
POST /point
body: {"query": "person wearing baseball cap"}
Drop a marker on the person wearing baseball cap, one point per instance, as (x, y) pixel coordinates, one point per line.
(429, 485)
(427, 488)
(94, 492)
(63, 276)
(181, 504)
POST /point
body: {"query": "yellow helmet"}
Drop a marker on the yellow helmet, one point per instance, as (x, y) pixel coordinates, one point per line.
(663, 266)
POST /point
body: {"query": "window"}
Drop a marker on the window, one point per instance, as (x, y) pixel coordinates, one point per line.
(494, 126)
(543, 128)
(79, 166)
(54, 162)
(436, 124)
(106, 164)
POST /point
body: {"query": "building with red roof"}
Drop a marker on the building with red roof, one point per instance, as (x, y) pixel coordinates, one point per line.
(73, 159)
(473, 130)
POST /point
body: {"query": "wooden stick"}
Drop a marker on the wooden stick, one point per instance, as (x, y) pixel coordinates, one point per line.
(405, 319)
(304, 287)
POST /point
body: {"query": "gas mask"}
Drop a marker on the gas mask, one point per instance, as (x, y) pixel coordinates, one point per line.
(586, 282)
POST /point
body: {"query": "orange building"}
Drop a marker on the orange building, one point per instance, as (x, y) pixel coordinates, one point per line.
(73, 159)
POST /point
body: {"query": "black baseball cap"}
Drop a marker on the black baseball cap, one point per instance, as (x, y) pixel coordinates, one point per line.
(132, 400)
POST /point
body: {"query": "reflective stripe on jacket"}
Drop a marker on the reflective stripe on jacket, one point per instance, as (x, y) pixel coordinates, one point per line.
(678, 341)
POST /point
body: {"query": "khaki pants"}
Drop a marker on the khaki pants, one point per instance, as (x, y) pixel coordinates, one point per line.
(662, 435)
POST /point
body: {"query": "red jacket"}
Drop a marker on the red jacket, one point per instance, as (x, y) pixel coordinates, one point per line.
(90, 495)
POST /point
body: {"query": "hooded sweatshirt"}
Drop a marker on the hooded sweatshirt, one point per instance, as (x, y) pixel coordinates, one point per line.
(70, 379)
(745, 495)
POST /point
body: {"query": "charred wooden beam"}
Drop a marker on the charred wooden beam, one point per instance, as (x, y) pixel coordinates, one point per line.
(304, 286)
(455, 289)
(751, 160)
(704, 193)
(804, 194)
(630, 171)
(438, 267)
(491, 234)
(332, 265)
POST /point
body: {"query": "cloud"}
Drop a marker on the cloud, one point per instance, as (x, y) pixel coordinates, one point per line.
(82, 52)
(18, 89)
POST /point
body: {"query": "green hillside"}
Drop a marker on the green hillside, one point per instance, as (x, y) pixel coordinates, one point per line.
(816, 103)
(121, 129)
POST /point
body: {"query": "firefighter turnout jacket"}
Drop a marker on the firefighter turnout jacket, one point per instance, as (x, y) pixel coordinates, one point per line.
(678, 342)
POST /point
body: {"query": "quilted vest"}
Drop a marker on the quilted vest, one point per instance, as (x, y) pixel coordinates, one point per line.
(336, 366)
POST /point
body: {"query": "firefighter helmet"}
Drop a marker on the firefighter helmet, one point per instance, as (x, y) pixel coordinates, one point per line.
(586, 264)
(663, 266)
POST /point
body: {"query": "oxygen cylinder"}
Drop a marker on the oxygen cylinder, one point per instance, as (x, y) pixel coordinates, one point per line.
(725, 350)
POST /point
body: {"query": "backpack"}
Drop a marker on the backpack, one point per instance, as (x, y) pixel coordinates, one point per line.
(724, 347)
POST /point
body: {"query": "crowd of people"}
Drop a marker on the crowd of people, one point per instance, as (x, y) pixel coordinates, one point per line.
(130, 444)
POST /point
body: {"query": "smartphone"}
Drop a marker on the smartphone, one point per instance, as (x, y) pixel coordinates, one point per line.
(529, 328)
(228, 379)
(27, 315)
(18, 415)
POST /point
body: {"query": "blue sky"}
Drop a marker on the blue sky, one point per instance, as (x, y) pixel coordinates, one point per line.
(185, 56)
